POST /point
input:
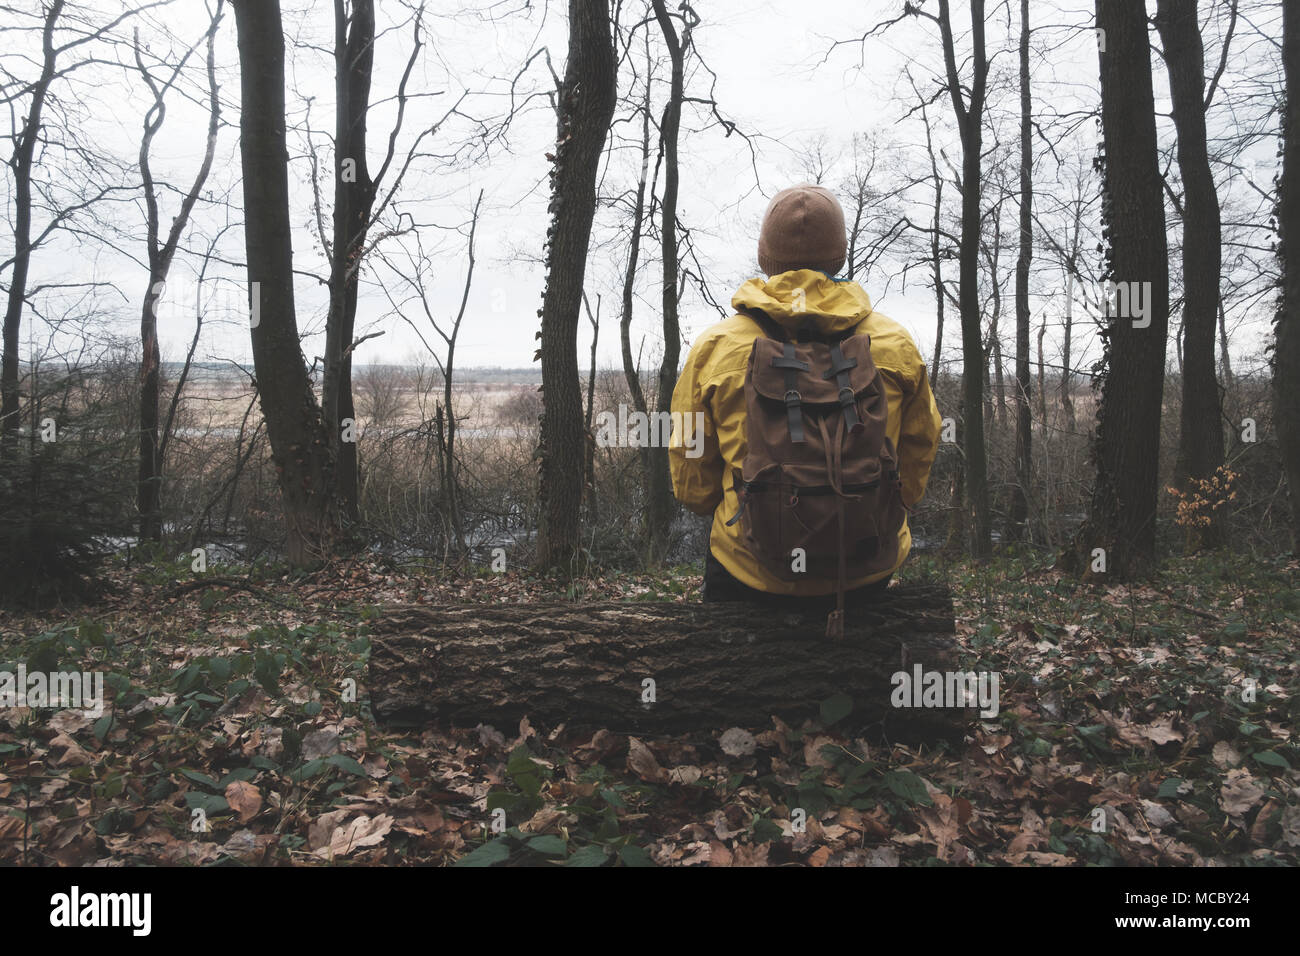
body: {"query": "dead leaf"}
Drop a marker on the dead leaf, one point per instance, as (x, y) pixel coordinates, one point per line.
(245, 799)
(1031, 832)
(737, 742)
(750, 855)
(1258, 829)
(1225, 755)
(1239, 793)
(247, 846)
(73, 755)
(319, 743)
(320, 830)
(643, 763)
(882, 856)
(1291, 826)
(362, 832)
(491, 739)
(684, 774)
(1049, 859)
(812, 752)
(11, 828)
(1156, 814)
(941, 821)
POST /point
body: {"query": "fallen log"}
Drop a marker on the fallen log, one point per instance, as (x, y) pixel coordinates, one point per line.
(661, 667)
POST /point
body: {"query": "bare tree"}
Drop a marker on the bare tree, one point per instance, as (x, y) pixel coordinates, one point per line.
(969, 113)
(584, 107)
(1024, 460)
(1122, 518)
(160, 255)
(661, 506)
(358, 206)
(415, 273)
(301, 446)
(22, 163)
(1200, 441)
(1286, 348)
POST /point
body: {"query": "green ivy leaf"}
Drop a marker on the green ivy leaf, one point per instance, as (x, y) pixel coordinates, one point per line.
(209, 803)
(489, 854)
(202, 779)
(1169, 788)
(347, 764)
(909, 786)
(548, 845)
(593, 855)
(1271, 758)
(243, 773)
(765, 830)
(633, 855)
(307, 770)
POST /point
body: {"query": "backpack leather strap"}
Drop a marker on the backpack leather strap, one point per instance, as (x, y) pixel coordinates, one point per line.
(793, 408)
(839, 371)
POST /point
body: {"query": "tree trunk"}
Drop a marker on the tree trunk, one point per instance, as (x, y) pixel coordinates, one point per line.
(969, 121)
(589, 466)
(1042, 385)
(300, 444)
(1067, 397)
(585, 107)
(1228, 383)
(1122, 517)
(1024, 462)
(937, 267)
(713, 666)
(161, 254)
(1200, 441)
(450, 477)
(661, 508)
(21, 164)
(1286, 350)
(354, 194)
(936, 264)
(631, 371)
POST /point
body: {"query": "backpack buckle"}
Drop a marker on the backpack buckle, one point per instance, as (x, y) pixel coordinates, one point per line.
(795, 400)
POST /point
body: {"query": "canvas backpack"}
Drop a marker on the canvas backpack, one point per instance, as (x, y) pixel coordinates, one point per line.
(820, 473)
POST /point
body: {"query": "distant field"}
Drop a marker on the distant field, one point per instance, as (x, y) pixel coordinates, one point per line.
(216, 398)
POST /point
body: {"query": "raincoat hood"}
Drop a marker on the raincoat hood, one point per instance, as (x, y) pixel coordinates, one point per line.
(802, 295)
(710, 393)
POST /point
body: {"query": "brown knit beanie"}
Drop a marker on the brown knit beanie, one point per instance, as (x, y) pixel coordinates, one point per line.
(803, 228)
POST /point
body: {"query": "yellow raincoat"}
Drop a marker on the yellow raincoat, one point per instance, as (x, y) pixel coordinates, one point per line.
(713, 382)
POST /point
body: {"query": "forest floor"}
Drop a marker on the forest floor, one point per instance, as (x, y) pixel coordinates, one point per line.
(1145, 725)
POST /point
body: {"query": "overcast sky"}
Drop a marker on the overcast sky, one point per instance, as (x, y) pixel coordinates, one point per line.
(778, 78)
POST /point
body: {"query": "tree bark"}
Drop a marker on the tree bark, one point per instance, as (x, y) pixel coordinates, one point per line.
(21, 164)
(713, 665)
(936, 263)
(1122, 516)
(450, 476)
(160, 255)
(969, 122)
(300, 444)
(661, 506)
(1042, 384)
(631, 368)
(1024, 462)
(354, 195)
(1200, 440)
(585, 107)
(1286, 349)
